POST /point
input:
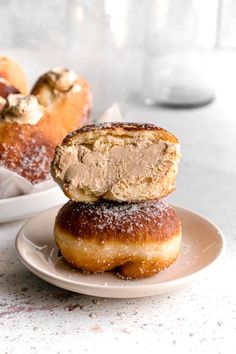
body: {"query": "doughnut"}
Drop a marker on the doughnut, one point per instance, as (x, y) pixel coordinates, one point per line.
(136, 240)
(24, 148)
(66, 98)
(126, 162)
(31, 128)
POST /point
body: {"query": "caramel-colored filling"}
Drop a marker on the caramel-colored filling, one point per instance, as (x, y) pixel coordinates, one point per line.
(99, 168)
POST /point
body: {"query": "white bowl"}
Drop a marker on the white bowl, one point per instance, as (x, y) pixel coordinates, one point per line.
(21, 207)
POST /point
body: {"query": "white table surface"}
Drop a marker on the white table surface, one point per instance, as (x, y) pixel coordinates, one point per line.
(36, 317)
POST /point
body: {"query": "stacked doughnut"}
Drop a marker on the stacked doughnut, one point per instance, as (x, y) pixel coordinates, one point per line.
(115, 175)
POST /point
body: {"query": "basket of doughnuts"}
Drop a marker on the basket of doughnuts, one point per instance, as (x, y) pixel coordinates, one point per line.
(33, 123)
(115, 175)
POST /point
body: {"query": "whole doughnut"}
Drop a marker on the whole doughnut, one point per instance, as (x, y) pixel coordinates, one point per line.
(135, 239)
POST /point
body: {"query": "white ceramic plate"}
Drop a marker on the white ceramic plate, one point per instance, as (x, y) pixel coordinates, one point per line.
(21, 207)
(202, 245)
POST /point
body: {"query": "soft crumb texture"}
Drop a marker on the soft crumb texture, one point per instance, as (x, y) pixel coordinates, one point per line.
(123, 162)
(136, 239)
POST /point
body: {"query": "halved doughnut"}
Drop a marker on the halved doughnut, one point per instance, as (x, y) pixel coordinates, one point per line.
(117, 161)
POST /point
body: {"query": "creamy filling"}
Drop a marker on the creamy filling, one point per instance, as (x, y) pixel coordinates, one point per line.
(98, 167)
(22, 109)
(57, 82)
(61, 79)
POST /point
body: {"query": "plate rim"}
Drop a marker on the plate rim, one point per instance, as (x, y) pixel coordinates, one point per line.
(27, 196)
(173, 283)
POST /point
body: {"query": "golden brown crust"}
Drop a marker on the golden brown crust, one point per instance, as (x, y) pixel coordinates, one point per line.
(137, 240)
(121, 129)
(143, 269)
(25, 150)
(124, 222)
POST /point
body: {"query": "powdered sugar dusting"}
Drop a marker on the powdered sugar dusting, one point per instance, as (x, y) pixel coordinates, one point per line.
(32, 163)
(114, 217)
